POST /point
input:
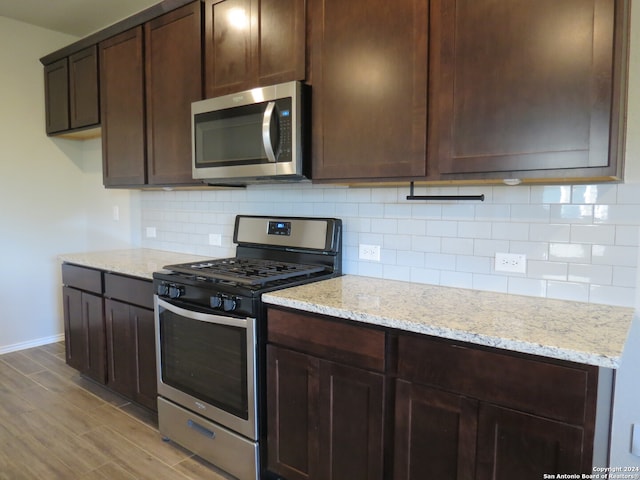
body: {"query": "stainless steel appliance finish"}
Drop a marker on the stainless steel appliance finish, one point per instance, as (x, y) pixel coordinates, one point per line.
(254, 136)
(210, 335)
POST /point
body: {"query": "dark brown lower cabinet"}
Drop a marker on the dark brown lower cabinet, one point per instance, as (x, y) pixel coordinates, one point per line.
(346, 401)
(131, 352)
(325, 419)
(435, 434)
(84, 333)
(513, 444)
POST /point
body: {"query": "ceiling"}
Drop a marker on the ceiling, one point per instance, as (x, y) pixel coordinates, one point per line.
(73, 17)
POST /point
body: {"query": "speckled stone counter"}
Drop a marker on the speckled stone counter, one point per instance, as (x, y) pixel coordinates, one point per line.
(137, 262)
(580, 332)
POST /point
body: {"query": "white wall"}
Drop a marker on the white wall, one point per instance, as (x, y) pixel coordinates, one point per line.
(51, 195)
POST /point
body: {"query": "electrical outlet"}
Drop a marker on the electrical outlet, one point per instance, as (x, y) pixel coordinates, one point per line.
(151, 232)
(369, 252)
(116, 213)
(215, 239)
(511, 262)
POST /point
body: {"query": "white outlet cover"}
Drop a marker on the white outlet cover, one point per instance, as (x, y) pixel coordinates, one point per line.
(511, 262)
(151, 232)
(369, 252)
(215, 239)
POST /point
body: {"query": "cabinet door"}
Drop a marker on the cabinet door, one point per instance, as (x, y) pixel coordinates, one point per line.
(121, 348)
(281, 41)
(230, 43)
(56, 89)
(292, 414)
(435, 434)
(517, 445)
(145, 357)
(369, 78)
(83, 88)
(122, 109)
(522, 85)
(93, 312)
(74, 329)
(351, 426)
(173, 80)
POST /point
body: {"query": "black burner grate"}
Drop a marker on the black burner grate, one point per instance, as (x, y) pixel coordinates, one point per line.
(246, 271)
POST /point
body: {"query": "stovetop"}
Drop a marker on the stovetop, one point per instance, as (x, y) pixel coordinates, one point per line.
(246, 271)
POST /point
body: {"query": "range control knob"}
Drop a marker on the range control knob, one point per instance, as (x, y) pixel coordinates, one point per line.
(162, 290)
(229, 304)
(215, 301)
(175, 291)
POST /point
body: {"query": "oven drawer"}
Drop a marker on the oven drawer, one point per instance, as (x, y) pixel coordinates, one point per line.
(128, 289)
(225, 449)
(325, 338)
(82, 278)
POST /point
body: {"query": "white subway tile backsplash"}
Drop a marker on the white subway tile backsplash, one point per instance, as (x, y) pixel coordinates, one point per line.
(593, 234)
(588, 273)
(570, 252)
(581, 241)
(546, 194)
(575, 292)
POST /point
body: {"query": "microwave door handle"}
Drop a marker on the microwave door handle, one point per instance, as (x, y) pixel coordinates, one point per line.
(266, 132)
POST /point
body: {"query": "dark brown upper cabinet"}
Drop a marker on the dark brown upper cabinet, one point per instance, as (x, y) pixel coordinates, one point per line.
(56, 89)
(149, 77)
(84, 100)
(71, 92)
(251, 43)
(369, 88)
(526, 88)
(122, 109)
(173, 80)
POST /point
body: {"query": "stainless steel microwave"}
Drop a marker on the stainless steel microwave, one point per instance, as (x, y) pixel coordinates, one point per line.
(250, 137)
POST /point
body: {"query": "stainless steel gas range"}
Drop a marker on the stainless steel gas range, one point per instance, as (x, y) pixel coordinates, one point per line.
(210, 324)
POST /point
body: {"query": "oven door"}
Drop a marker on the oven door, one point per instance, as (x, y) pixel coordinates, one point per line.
(207, 364)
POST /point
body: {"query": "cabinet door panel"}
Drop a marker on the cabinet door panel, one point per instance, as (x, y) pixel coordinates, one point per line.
(351, 430)
(74, 330)
(145, 358)
(96, 366)
(517, 445)
(230, 42)
(435, 434)
(521, 85)
(83, 88)
(120, 348)
(369, 77)
(56, 82)
(292, 415)
(173, 80)
(122, 109)
(281, 41)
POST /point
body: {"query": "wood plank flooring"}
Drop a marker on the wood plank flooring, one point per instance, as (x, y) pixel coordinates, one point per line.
(55, 424)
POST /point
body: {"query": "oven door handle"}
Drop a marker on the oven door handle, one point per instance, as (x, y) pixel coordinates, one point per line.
(203, 317)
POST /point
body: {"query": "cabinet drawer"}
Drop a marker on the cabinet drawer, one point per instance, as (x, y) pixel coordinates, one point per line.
(558, 390)
(82, 278)
(334, 340)
(128, 289)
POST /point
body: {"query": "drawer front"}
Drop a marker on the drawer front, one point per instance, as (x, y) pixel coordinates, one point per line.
(128, 289)
(334, 340)
(565, 392)
(82, 278)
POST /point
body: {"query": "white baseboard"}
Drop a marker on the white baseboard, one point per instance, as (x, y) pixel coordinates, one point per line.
(31, 343)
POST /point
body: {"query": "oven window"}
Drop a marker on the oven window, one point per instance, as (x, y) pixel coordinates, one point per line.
(205, 360)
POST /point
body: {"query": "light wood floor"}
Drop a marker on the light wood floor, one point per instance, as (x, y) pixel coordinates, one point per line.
(55, 424)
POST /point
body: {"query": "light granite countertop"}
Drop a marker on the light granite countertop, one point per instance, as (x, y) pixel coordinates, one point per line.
(581, 332)
(137, 262)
